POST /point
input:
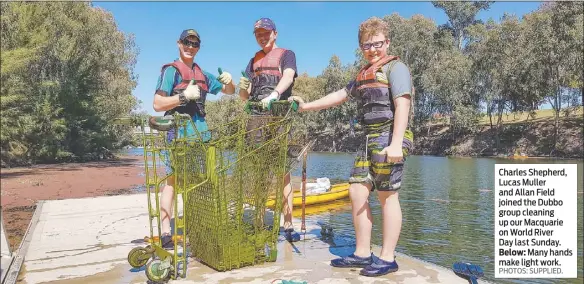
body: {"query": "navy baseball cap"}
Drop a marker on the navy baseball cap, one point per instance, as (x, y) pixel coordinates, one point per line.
(189, 32)
(264, 23)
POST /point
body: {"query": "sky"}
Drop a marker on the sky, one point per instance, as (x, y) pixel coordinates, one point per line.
(315, 31)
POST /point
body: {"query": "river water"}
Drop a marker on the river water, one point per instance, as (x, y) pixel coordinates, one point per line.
(448, 209)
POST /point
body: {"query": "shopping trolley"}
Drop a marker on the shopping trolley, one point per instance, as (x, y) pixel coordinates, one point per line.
(223, 178)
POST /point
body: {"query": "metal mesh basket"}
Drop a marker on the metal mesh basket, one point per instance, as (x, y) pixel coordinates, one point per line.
(227, 182)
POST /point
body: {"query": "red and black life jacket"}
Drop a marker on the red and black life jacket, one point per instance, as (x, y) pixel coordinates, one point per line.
(266, 74)
(187, 74)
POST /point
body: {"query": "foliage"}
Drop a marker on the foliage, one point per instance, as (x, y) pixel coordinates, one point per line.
(67, 71)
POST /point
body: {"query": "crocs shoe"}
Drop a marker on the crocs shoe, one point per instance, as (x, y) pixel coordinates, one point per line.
(291, 235)
(167, 241)
(379, 267)
(352, 261)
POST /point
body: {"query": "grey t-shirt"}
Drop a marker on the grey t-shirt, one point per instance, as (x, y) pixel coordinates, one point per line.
(399, 80)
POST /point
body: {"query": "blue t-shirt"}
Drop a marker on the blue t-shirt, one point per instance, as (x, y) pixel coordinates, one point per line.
(170, 77)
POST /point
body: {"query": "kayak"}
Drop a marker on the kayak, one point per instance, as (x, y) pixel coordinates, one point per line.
(336, 205)
(337, 191)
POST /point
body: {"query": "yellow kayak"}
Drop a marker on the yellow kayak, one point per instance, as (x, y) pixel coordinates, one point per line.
(336, 192)
(324, 207)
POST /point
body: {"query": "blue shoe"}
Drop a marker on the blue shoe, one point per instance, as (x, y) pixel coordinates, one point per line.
(291, 235)
(352, 261)
(379, 267)
(167, 242)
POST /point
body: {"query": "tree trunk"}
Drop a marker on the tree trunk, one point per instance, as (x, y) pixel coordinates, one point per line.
(429, 126)
(490, 113)
(557, 117)
(460, 38)
(500, 109)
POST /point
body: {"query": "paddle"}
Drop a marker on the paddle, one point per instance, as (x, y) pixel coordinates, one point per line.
(467, 270)
(303, 228)
(295, 151)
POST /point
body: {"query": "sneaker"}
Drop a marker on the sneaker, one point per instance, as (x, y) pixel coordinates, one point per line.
(167, 241)
(291, 235)
(379, 267)
(352, 261)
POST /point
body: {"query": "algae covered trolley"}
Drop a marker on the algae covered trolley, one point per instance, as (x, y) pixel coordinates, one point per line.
(223, 178)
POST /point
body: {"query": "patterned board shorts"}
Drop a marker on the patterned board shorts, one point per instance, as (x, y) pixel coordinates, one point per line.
(371, 167)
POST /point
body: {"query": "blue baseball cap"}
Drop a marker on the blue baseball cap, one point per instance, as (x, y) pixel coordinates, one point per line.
(189, 32)
(264, 23)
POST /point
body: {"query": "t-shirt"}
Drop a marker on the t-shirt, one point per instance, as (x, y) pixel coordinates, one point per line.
(170, 77)
(399, 79)
(288, 60)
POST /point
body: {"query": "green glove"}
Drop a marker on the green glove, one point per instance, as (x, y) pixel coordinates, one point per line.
(269, 106)
(294, 106)
(247, 108)
(224, 77)
(243, 81)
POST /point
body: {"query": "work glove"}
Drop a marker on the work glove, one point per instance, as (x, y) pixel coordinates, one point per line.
(243, 83)
(225, 78)
(192, 92)
(298, 100)
(266, 101)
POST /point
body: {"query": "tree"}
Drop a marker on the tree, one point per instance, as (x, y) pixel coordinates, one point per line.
(68, 73)
(414, 41)
(336, 76)
(554, 41)
(461, 15)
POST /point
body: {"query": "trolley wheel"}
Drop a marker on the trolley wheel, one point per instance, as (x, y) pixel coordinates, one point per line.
(155, 273)
(138, 257)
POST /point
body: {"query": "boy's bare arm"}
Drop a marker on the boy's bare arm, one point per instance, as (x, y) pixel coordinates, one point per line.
(330, 100)
(402, 110)
(163, 103)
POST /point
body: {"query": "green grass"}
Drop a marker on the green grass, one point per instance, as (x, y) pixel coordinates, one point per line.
(518, 117)
(521, 117)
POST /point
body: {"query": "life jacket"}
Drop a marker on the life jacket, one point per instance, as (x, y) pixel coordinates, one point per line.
(187, 74)
(266, 74)
(377, 107)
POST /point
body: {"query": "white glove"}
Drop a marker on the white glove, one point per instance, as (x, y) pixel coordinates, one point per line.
(243, 83)
(192, 92)
(225, 78)
(272, 96)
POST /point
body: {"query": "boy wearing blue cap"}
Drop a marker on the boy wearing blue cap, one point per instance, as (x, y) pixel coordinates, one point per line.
(271, 74)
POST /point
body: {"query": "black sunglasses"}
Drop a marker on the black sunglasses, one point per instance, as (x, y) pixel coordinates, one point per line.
(194, 44)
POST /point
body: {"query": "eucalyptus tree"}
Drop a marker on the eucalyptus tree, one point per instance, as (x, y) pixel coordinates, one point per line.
(461, 15)
(67, 71)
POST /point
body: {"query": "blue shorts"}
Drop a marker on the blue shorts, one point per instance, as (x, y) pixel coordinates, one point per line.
(203, 129)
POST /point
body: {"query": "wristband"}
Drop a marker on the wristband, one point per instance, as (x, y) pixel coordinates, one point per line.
(182, 99)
